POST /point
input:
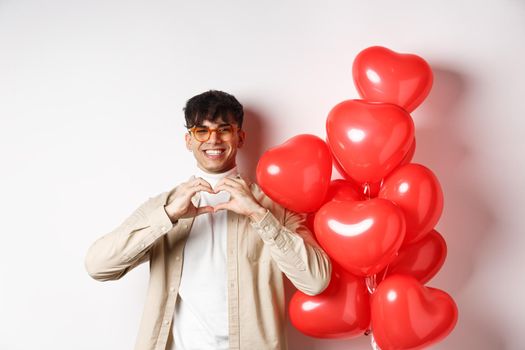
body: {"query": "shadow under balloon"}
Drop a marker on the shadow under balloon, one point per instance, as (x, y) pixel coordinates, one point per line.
(468, 218)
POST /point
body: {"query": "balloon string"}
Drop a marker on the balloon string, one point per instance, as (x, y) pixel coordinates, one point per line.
(386, 269)
(371, 283)
(373, 343)
(366, 190)
(385, 272)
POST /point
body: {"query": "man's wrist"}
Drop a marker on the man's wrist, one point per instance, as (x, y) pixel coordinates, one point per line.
(172, 217)
(258, 214)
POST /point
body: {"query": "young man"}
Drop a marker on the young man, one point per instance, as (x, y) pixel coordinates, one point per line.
(217, 247)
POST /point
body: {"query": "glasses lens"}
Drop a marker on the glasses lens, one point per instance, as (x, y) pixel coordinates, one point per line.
(225, 132)
(201, 133)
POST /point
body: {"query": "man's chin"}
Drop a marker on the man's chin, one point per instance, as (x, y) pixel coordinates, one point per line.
(220, 168)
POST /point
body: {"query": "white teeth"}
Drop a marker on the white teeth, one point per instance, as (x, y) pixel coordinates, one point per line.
(214, 152)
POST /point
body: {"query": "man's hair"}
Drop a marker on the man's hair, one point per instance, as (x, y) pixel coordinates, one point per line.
(213, 105)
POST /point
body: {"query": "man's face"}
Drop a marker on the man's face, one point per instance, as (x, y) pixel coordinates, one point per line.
(217, 154)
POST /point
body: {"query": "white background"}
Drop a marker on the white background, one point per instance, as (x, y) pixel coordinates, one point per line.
(91, 97)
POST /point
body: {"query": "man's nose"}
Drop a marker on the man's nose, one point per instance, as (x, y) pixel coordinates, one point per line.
(214, 137)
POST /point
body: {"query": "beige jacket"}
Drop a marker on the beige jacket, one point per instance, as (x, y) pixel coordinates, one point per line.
(257, 256)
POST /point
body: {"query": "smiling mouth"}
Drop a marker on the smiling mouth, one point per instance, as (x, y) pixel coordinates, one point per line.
(214, 153)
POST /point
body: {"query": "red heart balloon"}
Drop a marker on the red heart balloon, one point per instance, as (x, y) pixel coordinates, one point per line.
(416, 190)
(382, 75)
(367, 190)
(407, 315)
(409, 155)
(421, 260)
(338, 190)
(363, 237)
(369, 139)
(297, 173)
(342, 310)
(343, 190)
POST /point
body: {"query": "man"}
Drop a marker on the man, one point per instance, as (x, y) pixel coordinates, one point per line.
(217, 247)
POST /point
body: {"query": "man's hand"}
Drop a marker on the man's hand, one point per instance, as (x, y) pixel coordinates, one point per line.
(241, 200)
(182, 207)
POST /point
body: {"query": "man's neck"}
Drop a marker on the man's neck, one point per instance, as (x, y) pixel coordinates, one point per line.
(213, 178)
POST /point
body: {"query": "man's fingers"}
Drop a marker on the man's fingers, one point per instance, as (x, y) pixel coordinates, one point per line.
(238, 182)
(239, 179)
(199, 181)
(221, 206)
(199, 188)
(232, 183)
(204, 210)
(219, 183)
(227, 188)
(228, 180)
(243, 182)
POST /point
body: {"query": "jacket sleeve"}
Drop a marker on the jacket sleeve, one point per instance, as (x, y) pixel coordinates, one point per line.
(113, 255)
(295, 251)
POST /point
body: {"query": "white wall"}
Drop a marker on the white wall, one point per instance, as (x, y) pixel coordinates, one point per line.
(91, 94)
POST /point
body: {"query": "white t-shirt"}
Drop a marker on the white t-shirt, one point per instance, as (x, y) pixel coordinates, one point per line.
(201, 311)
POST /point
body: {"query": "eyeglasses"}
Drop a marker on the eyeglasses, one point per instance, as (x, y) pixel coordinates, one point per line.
(203, 133)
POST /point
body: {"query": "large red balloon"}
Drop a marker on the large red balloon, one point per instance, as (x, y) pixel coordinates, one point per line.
(363, 237)
(382, 75)
(407, 315)
(416, 190)
(421, 260)
(342, 310)
(297, 173)
(369, 139)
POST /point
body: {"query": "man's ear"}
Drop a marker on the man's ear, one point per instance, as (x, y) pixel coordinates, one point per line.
(187, 138)
(242, 136)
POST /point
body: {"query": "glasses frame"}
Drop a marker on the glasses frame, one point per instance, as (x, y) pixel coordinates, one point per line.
(211, 130)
